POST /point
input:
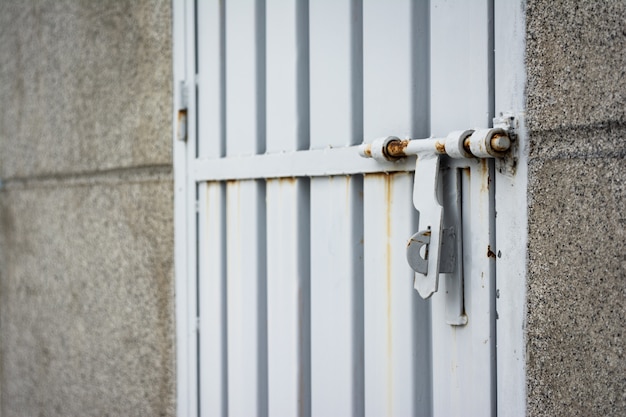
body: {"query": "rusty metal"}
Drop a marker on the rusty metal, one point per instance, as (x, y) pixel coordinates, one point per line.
(395, 148)
(440, 147)
(181, 125)
(483, 143)
(500, 142)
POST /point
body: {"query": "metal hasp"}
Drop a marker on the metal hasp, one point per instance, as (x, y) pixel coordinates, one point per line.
(438, 246)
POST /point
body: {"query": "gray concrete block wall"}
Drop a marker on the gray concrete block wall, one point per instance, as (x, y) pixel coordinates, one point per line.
(86, 85)
(86, 209)
(576, 111)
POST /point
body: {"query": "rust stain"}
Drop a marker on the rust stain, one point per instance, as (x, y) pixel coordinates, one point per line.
(466, 145)
(440, 147)
(427, 233)
(182, 125)
(395, 148)
(368, 151)
(286, 180)
(490, 253)
(484, 168)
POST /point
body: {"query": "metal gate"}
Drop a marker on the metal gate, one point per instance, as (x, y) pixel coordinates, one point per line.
(294, 295)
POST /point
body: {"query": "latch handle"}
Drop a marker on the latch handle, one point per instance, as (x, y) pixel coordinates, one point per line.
(426, 200)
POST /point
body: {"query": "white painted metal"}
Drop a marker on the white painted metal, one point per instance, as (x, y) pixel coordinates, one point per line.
(211, 216)
(315, 163)
(397, 320)
(246, 299)
(186, 365)
(511, 221)
(397, 334)
(461, 90)
(210, 77)
(426, 201)
(287, 213)
(336, 73)
(212, 298)
(288, 298)
(245, 211)
(336, 297)
(336, 210)
(245, 77)
(301, 288)
(336, 219)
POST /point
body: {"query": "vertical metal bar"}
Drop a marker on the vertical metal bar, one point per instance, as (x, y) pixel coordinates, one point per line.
(288, 297)
(511, 205)
(246, 299)
(397, 320)
(245, 77)
(461, 89)
(210, 78)
(336, 296)
(246, 234)
(461, 95)
(336, 211)
(287, 211)
(212, 296)
(211, 205)
(336, 73)
(397, 332)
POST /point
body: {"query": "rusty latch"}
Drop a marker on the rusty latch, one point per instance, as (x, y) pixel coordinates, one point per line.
(437, 249)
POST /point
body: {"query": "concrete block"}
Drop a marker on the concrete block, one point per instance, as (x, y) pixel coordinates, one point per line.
(575, 63)
(86, 298)
(84, 86)
(576, 287)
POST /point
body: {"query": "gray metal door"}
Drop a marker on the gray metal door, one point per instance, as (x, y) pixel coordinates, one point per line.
(296, 296)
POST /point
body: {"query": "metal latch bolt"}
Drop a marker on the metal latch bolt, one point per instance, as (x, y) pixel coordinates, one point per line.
(435, 249)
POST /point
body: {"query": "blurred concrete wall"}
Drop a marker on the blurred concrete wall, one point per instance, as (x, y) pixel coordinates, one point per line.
(576, 107)
(86, 231)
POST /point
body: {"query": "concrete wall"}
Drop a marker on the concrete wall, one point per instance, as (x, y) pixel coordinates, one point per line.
(86, 234)
(576, 107)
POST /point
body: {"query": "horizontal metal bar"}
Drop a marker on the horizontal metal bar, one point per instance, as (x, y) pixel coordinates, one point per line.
(309, 163)
(482, 143)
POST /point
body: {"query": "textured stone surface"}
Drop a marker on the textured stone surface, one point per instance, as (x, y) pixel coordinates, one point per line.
(86, 213)
(576, 110)
(576, 63)
(86, 298)
(84, 85)
(577, 288)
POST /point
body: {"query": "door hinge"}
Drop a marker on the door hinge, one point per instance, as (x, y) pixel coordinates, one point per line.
(181, 120)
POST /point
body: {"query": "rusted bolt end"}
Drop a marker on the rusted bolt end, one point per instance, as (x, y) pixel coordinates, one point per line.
(395, 149)
(466, 145)
(500, 142)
